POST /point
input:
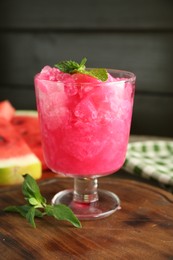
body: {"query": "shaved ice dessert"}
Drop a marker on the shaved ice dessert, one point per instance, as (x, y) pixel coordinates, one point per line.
(85, 122)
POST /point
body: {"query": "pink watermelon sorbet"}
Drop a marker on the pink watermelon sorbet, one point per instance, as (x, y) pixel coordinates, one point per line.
(85, 123)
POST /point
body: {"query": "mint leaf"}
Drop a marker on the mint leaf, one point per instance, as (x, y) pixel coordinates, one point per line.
(68, 66)
(62, 212)
(35, 200)
(71, 66)
(30, 216)
(23, 210)
(82, 65)
(31, 190)
(83, 62)
(100, 74)
(74, 67)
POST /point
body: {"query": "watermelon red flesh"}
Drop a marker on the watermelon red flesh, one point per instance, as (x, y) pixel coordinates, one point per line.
(11, 143)
(28, 128)
(7, 111)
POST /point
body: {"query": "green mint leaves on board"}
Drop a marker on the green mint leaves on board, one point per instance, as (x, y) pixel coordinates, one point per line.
(74, 67)
(37, 207)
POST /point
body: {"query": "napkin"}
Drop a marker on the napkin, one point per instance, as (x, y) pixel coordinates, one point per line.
(151, 160)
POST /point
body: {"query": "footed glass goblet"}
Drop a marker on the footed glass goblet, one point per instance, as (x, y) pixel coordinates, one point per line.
(85, 125)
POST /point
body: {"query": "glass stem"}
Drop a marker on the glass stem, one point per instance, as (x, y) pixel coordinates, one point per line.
(85, 190)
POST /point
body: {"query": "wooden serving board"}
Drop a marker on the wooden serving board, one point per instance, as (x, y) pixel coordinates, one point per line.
(142, 228)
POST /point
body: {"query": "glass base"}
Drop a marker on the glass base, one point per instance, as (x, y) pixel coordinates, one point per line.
(106, 204)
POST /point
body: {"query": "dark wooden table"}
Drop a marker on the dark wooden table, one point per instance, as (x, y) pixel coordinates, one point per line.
(142, 228)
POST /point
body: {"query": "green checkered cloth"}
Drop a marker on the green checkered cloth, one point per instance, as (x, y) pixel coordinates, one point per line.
(151, 160)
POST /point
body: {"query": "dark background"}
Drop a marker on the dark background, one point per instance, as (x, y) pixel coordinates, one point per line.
(130, 35)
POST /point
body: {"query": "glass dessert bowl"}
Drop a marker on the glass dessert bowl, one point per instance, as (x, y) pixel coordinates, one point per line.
(85, 126)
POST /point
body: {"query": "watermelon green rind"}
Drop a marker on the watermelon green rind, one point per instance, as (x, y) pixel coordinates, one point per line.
(26, 112)
(9, 176)
(11, 170)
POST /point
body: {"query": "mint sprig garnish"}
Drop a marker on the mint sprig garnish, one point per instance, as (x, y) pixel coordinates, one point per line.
(71, 66)
(74, 67)
(37, 207)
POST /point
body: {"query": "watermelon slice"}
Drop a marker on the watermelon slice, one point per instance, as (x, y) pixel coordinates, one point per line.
(16, 158)
(27, 125)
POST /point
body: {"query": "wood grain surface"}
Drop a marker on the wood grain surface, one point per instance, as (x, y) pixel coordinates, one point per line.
(142, 228)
